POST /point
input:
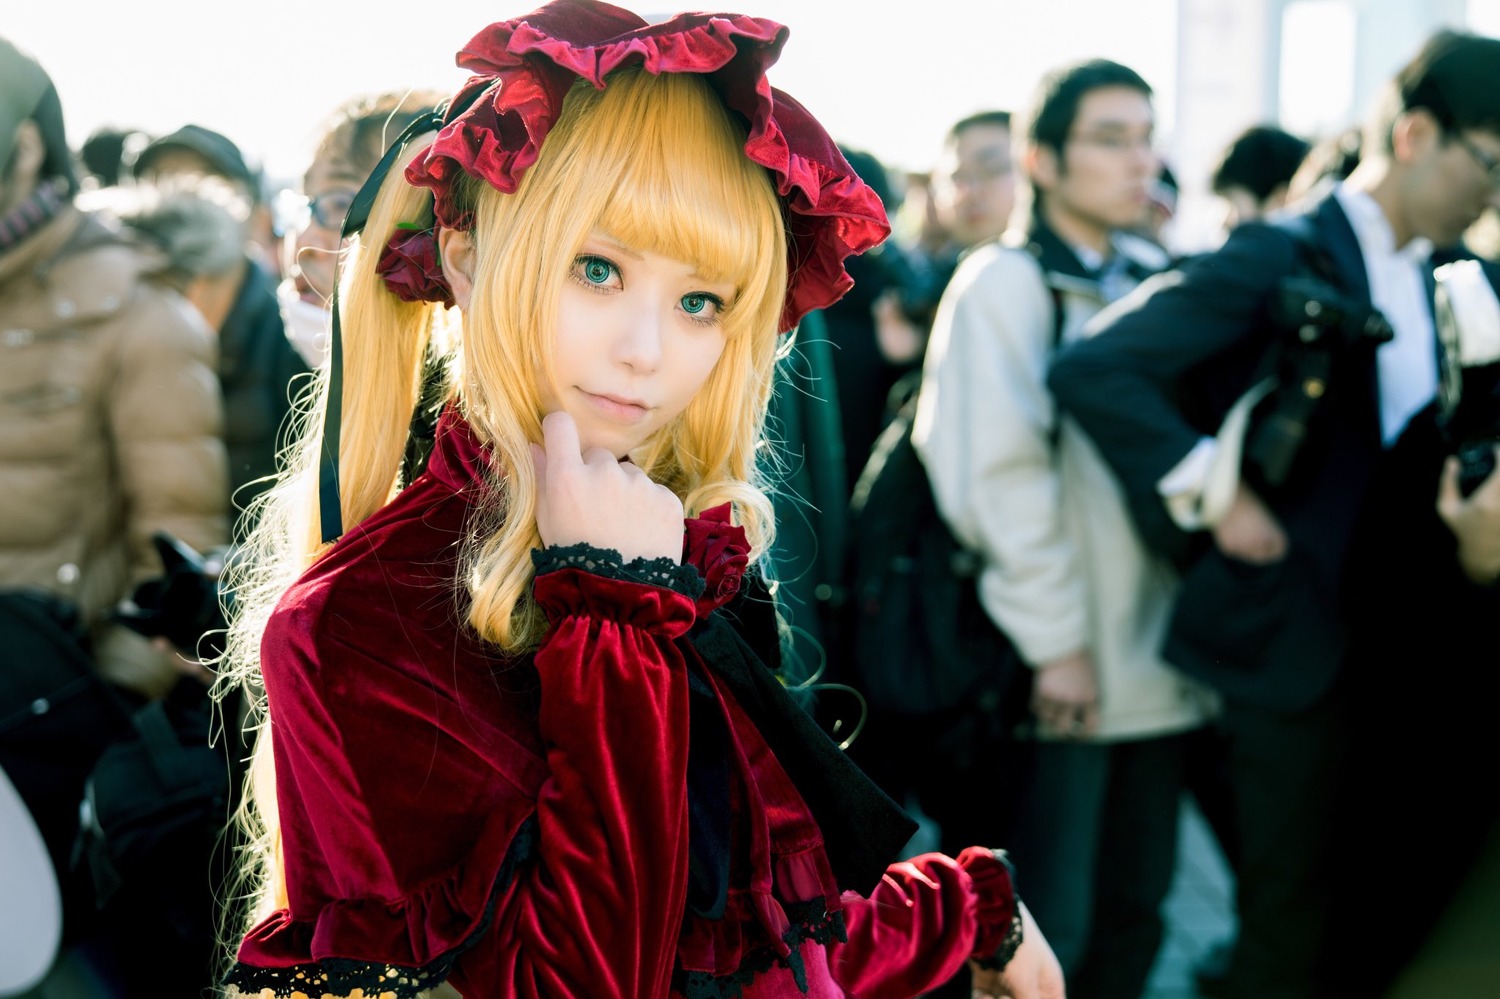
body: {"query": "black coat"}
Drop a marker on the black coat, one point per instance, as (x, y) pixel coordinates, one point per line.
(260, 372)
(1166, 366)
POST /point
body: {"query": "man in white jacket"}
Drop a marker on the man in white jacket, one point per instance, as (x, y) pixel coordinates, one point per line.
(1066, 577)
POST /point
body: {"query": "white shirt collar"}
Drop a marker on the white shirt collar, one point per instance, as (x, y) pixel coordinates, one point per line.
(1373, 229)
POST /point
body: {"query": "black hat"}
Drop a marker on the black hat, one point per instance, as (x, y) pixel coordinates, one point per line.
(223, 156)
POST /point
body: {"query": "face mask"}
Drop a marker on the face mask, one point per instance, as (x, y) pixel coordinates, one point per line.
(307, 325)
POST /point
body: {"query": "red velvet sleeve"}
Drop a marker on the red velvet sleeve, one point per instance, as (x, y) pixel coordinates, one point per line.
(425, 839)
(600, 911)
(927, 917)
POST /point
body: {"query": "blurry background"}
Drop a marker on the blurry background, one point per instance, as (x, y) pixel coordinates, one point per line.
(887, 76)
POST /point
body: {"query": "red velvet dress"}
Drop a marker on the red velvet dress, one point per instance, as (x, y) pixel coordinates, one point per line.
(521, 826)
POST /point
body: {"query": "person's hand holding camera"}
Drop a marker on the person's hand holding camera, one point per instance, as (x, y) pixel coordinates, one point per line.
(1474, 521)
(1249, 531)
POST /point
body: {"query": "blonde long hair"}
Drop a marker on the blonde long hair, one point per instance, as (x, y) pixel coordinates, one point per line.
(656, 162)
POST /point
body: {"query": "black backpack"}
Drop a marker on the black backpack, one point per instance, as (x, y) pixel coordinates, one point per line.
(922, 643)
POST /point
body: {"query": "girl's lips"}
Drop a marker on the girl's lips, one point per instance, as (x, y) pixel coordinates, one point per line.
(616, 408)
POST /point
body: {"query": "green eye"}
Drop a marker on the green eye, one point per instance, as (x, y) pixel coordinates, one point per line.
(694, 304)
(596, 271)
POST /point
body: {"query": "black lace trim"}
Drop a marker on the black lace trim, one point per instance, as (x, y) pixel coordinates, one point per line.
(810, 920)
(611, 564)
(1007, 948)
(341, 976)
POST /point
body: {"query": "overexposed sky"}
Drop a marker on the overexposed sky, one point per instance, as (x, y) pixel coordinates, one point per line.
(884, 75)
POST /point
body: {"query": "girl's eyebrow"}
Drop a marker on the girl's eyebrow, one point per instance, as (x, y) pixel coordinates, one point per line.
(616, 244)
(626, 251)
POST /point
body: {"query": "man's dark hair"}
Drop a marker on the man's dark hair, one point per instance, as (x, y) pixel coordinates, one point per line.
(1260, 159)
(107, 153)
(1054, 106)
(1455, 78)
(870, 170)
(998, 119)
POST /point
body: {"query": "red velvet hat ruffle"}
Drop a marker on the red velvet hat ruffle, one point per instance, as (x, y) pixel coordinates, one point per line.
(524, 67)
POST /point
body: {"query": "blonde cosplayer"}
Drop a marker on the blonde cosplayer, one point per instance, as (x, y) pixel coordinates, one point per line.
(530, 732)
(654, 161)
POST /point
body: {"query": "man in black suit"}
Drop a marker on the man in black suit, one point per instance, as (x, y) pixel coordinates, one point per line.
(1306, 591)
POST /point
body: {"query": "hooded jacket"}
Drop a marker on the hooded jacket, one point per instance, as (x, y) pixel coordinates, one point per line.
(110, 429)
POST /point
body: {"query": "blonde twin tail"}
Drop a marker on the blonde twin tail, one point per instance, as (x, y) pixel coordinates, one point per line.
(386, 341)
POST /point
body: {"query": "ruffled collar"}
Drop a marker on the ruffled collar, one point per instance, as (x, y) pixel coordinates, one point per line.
(524, 67)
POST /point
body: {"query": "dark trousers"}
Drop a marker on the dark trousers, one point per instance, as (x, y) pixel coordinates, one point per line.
(1095, 849)
(1286, 771)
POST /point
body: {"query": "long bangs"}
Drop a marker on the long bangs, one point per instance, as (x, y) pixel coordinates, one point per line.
(683, 187)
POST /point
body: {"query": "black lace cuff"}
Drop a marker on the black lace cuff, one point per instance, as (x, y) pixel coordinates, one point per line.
(342, 976)
(611, 564)
(810, 921)
(1008, 946)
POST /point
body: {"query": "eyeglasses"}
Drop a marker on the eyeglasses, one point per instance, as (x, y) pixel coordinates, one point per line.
(1115, 142)
(295, 212)
(1484, 158)
(980, 176)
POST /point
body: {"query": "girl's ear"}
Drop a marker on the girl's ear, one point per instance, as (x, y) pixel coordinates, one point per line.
(456, 252)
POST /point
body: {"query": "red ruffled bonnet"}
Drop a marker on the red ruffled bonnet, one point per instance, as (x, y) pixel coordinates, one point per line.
(524, 67)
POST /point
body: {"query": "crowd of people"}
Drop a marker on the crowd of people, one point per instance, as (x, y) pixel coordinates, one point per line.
(528, 470)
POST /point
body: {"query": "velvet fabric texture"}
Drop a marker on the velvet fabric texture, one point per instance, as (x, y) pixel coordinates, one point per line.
(524, 67)
(521, 826)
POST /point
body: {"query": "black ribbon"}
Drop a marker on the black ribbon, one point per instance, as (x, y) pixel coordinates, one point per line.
(863, 829)
(329, 506)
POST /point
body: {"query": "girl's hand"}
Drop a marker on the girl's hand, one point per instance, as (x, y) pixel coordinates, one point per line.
(590, 497)
(1031, 973)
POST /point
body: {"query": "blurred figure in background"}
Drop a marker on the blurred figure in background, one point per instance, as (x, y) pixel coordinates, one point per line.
(258, 367)
(107, 154)
(974, 183)
(1338, 585)
(194, 150)
(111, 431)
(1064, 573)
(1161, 207)
(1329, 161)
(1254, 172)
(354, 138)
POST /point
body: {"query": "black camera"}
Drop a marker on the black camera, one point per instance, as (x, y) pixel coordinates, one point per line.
(1321, 316)
(1319, 324)
(1476, 463)
(1468, 326)
(183, 605)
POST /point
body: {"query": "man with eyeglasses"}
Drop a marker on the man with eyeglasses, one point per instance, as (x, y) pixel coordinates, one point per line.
(357, 135)
(1064, 576)
(1344, 604)
(974, 183)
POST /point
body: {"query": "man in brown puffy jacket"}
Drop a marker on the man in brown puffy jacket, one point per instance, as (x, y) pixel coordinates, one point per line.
(110, 430)
(110, 416)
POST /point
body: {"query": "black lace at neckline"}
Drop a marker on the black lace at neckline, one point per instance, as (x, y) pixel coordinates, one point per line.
(341, 976)
(811, 921)
(611, 564)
